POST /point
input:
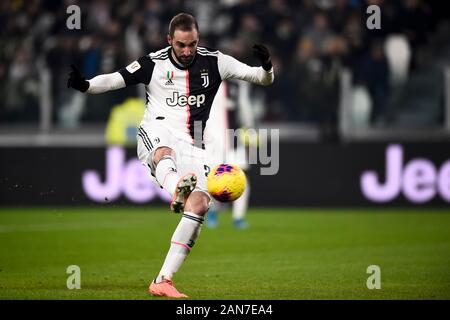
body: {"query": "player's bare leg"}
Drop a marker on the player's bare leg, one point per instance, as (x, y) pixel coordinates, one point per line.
(182, 242)
(198, 202)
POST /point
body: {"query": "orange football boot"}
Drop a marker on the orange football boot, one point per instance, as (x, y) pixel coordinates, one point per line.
(165, 288)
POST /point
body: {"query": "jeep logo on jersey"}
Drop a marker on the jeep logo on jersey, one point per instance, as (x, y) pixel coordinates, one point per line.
(182, 100)
(205, 78)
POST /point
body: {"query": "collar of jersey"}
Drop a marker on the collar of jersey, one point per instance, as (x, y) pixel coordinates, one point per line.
(177, 65)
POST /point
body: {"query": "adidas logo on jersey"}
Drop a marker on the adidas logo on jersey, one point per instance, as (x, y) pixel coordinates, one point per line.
(182, 100)
(169, 76)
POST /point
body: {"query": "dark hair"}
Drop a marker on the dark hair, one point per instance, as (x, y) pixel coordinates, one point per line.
(183, 22)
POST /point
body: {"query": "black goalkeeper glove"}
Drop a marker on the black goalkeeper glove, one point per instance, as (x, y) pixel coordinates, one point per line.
(76, 80)
(263, 54)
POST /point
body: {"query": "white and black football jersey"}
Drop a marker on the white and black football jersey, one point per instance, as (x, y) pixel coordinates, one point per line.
(181, 96)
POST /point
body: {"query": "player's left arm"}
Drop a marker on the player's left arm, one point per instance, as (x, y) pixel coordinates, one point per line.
(231, 68)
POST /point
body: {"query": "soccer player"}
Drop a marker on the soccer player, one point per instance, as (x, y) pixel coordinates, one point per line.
(181, 81)
(231, 110)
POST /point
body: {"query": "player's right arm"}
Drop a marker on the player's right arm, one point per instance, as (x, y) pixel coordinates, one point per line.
(139, 71)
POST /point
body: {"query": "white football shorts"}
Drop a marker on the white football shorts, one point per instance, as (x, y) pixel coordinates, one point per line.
(188, 158)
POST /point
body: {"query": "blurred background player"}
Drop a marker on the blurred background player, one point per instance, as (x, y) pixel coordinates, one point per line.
(231, 111)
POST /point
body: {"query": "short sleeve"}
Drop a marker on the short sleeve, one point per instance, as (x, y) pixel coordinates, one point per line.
(139, 71)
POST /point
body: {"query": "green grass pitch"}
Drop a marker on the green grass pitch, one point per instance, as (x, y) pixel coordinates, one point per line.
(290, 254)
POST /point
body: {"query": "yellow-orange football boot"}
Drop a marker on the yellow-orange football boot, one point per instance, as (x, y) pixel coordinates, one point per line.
(165, 288)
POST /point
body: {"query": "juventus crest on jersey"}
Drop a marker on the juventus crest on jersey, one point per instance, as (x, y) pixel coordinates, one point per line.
(182, 96)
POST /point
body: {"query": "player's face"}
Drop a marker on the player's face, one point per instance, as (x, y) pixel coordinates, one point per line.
(184, 45)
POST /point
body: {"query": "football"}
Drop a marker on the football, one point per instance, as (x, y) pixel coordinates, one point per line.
(226, 182)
